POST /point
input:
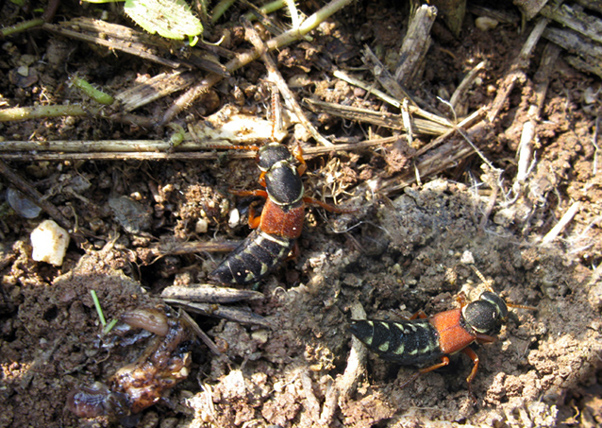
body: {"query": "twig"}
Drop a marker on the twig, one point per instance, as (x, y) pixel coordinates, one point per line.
(37, 112)
(154, 88)
(200, 333)
(525, 148)
(90, 91)
(225, 312)
(562, 223)
(126, 43)
(312, 405)
(415, 44)
(379, 118)
(20, 27)
(433, 161)
(383, 76)
(27, 151)
(460, 94)
(590, 52)
(209, 293)
(580, 21)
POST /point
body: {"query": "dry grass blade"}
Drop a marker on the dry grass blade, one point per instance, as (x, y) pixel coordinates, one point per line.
(157, 87)
(113, 36)
(133, 42)
(387, 120)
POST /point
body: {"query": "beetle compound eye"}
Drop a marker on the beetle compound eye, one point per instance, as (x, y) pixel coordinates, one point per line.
(498, 302)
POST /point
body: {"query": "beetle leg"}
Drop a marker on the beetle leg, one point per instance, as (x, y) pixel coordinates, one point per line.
(298, 153)
(326, 206)
(444, 362)
(475, 359)
(257, 192)
(419, 314)
(485, 338)
(262, 178)
(254, 221)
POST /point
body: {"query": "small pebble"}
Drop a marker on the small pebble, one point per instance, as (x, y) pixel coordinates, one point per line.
(49, 242)
(485, 23)
(130, 214)
(202, 225)
(234, 219)
(22, 206)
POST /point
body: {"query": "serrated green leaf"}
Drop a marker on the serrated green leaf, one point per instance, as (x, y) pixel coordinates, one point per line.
(171, 19)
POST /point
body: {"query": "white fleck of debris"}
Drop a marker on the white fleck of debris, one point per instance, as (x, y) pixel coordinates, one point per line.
(49, 242)
(260, 336)
(202, 225)
(485, 23)
(467, 258)
(234, 219)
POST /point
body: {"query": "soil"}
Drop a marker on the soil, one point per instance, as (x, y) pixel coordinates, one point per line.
(396, 254)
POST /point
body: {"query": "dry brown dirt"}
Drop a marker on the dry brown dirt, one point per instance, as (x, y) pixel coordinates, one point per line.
(396, 254)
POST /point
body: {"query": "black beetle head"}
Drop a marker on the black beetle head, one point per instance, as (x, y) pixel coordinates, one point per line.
(270, 154)
(283, 184)
(487, 314)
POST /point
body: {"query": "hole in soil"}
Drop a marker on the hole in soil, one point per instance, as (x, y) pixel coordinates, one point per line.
(51, 313)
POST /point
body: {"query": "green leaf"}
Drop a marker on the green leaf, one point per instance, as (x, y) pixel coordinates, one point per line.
(171, 19)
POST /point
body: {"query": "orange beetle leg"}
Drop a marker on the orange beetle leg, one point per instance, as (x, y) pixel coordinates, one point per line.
(258, 192)
(419, 314)
(262, 178)
(326, 206)
(253, 220)
(444, 362)
(485, 338)
(475, 359)
(298, 153)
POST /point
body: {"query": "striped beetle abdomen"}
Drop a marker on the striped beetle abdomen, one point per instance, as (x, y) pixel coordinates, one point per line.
(253, 259)
(412, 342)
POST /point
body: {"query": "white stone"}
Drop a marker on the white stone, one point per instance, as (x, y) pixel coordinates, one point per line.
(234, 219)
(484, 23)
(202, 225)
(49, 242)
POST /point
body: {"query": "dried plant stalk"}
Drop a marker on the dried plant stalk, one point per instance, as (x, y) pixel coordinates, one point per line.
(415, 45)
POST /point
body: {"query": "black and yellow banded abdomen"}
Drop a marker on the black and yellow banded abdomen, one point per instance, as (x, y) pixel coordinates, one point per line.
(413, 342)
(253, 259)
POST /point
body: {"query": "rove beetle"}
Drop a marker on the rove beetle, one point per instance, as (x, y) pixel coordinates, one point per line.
(279, 226)
(421, 340)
